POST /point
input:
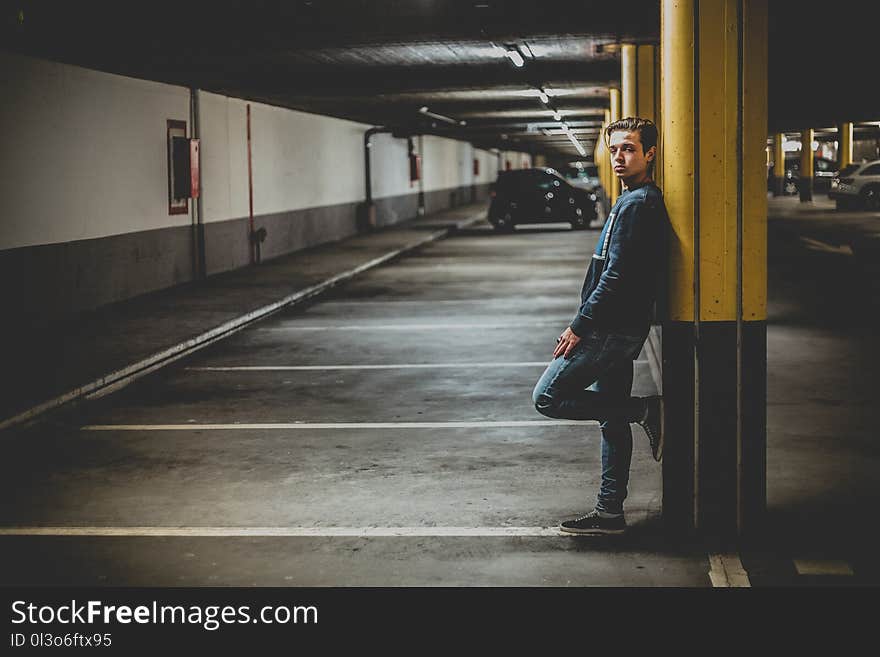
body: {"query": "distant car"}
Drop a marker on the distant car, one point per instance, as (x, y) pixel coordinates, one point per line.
(538, 195)
(586, 177)
(857, 185)
(823, 170)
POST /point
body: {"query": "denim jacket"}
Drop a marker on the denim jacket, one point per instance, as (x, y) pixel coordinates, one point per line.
(620, 290)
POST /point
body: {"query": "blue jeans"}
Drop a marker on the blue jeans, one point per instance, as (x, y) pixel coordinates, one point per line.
(594, 383)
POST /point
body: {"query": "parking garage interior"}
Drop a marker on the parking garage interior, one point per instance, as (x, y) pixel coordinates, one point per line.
(260, 331)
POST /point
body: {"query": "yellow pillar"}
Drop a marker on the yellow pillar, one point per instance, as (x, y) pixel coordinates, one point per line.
(648, 73)
(609, 172)
(614, 115)
(714, 117)
(778, 164)
(628, 80)
(599, 157)
(647, 83)
(805, 182)
(845, 144)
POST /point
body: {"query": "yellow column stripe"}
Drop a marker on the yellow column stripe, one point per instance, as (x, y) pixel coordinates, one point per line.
(845, 143)
(614, 96)
(754, 112)
(718, 78)
(628, 78)
(645, 96)
(677, 91)
(778, 155)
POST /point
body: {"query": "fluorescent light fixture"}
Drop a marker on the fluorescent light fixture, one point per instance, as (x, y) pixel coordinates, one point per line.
(515, 56)
(440, 117)
(556, 115)
(577, 145)
(543, 96)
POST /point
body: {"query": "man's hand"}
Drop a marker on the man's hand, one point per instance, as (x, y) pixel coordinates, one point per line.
(565, 343)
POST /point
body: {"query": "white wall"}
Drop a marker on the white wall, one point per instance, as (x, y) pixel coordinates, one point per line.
(84, 153)
(84, 156)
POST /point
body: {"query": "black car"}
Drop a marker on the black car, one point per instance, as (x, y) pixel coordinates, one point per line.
(538, 195)
(823, 171)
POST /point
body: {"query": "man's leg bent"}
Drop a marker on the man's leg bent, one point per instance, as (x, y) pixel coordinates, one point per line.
(562, 392)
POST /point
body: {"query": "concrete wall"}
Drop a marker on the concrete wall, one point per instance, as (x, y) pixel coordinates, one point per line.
(84, 188)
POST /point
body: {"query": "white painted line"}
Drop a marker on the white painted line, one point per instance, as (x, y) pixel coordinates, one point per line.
(726, 570)
(403, 366)
(818, 245)
(420, 327)
(333, 425)
(822, 567)
(283, 531)
(567, 299)
(122, 377)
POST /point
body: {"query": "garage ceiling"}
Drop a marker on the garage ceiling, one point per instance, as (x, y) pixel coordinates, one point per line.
(380, 62)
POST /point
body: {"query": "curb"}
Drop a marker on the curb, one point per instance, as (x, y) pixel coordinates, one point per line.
(120, 378)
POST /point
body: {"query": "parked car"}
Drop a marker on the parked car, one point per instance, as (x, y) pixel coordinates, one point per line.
(538, 195)
(857, 185)
(586, 177)
(823, 170)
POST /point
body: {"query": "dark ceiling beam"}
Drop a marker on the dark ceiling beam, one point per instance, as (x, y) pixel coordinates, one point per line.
(254, 27)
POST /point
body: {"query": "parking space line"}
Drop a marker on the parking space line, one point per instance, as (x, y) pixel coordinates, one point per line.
(392, 366)
(431, 302)
(822, 567)
(418, 327)
(285, 531)
(726, 570)
(333, 425)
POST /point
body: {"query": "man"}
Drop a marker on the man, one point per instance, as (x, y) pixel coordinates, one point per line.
(597, 350)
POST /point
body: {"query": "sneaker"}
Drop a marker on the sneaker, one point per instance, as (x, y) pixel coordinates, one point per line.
(593, 523)
(652, 423)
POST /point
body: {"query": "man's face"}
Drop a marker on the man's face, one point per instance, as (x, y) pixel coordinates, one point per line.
(628, 158)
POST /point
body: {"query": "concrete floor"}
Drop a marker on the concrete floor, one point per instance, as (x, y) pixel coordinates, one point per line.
(477, 297)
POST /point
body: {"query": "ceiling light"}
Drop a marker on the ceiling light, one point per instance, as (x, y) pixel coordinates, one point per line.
(515, 56)
(577, 145)
(556, 115)
(424, 110)
(543, 96)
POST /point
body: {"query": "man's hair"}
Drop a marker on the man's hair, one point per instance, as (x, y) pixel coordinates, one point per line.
(645, 127)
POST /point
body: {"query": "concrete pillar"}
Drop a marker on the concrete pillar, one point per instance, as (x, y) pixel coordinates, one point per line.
(614, 115)
(778, 164)
(714, 118)
(628, 80)
(805, 182)
(844, 144)
(609, 171)
(600, 157)
(648, 79)
(647, 73)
